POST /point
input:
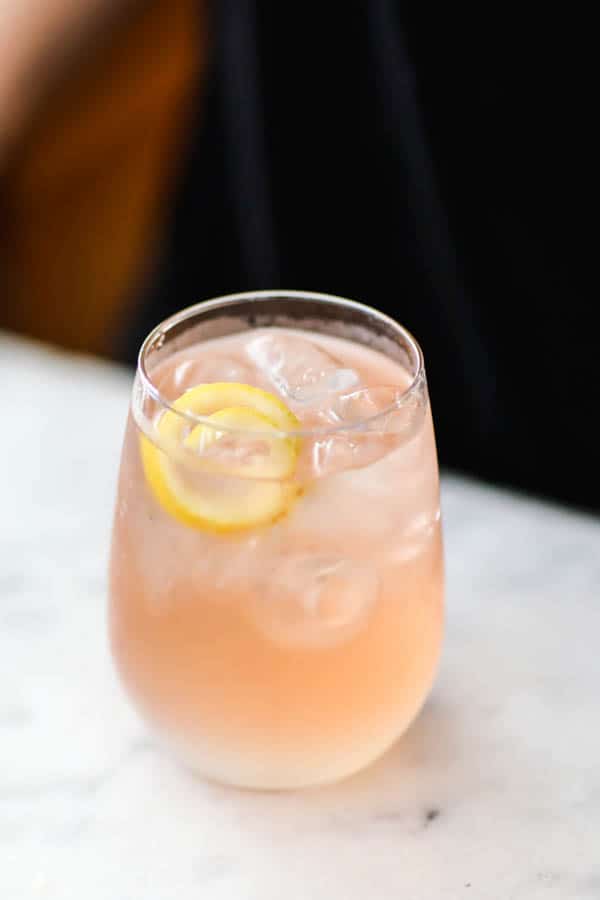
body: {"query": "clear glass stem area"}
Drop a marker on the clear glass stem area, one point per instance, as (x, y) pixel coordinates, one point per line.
(276, 606)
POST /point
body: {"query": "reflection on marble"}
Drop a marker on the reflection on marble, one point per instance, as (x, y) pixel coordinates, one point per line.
(493, 794)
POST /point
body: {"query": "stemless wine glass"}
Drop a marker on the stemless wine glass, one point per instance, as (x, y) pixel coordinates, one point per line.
(276, 582)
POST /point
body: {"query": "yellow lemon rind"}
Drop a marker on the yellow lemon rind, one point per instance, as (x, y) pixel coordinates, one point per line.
(265, 501)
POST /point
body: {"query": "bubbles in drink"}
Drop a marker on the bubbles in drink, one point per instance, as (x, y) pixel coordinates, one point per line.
(300, 371)
(314, 601)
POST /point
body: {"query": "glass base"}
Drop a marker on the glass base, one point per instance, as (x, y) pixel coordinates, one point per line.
(274, 772)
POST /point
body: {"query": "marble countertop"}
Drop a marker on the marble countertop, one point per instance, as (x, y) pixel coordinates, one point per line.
(494, 793)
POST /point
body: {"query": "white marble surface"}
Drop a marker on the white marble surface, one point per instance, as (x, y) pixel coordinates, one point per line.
(494, 793)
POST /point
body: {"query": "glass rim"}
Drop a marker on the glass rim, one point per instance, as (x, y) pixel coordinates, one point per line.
(195, 310)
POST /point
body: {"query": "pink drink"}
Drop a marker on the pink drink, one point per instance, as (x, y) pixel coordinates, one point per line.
(297, 651)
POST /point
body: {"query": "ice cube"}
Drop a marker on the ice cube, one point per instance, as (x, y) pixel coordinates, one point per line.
(370, 423)
(363, 405)
(203, 370)
(238, 564)
(414, 538)
(347, 450)
(302, 372)
(316, 601)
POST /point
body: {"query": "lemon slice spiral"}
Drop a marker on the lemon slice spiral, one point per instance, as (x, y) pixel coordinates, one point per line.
(238, 464)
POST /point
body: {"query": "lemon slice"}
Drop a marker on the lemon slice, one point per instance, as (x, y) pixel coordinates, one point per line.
(235, 466)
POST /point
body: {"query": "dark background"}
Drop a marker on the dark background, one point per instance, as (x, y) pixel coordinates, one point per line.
(431, 161)
(429, 165)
